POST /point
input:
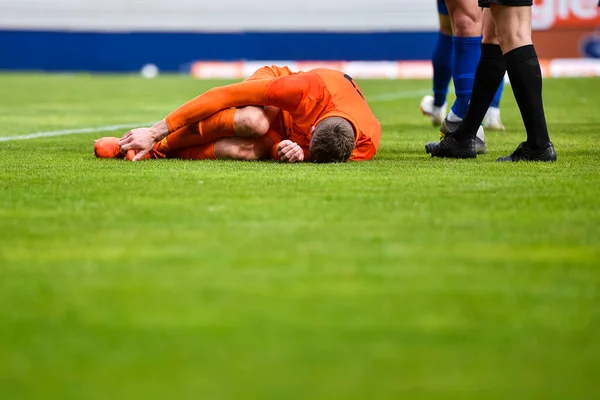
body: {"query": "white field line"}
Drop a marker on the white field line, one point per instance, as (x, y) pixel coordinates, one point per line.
(65, 132)
(381, 98)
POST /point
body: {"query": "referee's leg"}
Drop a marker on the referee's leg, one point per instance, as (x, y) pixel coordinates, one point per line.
(513, 29)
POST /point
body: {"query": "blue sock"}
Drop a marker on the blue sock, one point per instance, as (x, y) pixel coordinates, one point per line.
(442, 68)
(498, 95)
(467, 51)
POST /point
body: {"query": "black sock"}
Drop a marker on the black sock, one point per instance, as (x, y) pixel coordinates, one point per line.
(526, 80)
(489, 74)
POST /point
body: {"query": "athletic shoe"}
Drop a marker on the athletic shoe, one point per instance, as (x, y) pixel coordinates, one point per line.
(451, 126)
(435, 114)
(107, 147)
(451, 148)
(526, 153)
(492, 120)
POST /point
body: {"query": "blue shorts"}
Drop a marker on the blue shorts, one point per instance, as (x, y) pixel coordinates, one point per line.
(442, 9)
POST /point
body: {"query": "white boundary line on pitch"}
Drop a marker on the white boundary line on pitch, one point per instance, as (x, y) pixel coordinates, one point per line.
(64, 132)
(381, 98)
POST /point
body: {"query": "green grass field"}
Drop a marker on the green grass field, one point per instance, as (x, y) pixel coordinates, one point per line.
(405, 277)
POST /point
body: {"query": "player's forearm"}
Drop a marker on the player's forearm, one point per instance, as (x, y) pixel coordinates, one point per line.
(160, 130)
(217, 99)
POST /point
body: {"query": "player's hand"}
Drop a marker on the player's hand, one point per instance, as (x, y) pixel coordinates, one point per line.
(290, 152)
(141, 140)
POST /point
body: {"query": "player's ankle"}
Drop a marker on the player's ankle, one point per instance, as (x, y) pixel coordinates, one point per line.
(452, 117)
(493, 112)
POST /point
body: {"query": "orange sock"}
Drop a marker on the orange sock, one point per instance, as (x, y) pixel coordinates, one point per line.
(208, 130)
(202, 152)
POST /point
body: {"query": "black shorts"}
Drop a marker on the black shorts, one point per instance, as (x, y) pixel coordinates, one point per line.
(510, 3)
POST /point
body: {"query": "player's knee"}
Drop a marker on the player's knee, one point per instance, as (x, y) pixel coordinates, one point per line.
(445, 25)
(247, 152)
(251, 122)
(489, 36)
(510, 39)
(489, 28)
(465, 26)
(466, 19)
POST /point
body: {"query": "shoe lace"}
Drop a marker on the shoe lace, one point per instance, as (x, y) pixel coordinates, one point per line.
(157, 154)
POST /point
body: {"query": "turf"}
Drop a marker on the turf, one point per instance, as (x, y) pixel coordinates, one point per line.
(404, 277)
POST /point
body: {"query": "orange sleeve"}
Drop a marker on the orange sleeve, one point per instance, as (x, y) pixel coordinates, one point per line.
(306, 151)
(364, 149)
(285, 92)
(276, 138)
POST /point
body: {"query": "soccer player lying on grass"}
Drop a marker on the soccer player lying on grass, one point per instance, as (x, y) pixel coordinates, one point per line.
(318, 116)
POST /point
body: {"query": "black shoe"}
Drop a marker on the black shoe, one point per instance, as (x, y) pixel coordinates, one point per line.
(451, 126)
(451, 148)
(526, 153)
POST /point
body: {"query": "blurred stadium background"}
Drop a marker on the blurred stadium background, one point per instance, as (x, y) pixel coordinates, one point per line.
(189, 36)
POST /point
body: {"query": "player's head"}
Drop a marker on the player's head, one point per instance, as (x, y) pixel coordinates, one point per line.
(332, 141)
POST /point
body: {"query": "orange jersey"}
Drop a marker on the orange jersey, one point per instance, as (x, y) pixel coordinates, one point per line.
(305, 98)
